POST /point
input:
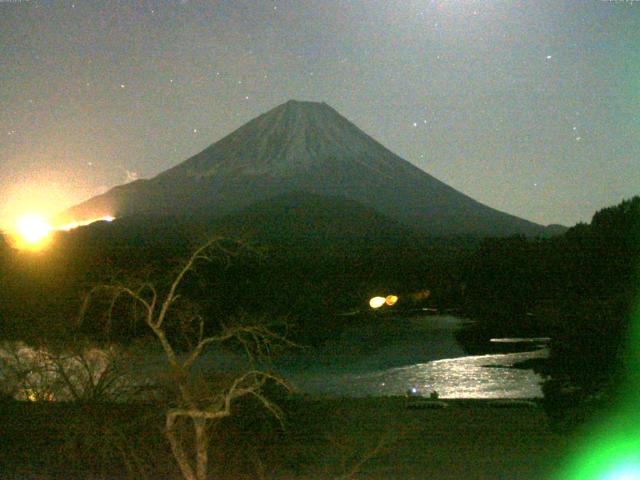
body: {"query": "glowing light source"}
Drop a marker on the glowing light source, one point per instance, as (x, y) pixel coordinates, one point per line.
(412, 392)
(391, 300)
(630, 471)
(377, 302)
(609, 456)
(76, 224)
(32, 231)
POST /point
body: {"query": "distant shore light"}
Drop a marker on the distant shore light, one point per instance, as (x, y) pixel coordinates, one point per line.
(391, 300)
(377, 302)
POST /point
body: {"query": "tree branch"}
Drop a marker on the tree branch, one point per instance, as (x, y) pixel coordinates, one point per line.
(171, 296)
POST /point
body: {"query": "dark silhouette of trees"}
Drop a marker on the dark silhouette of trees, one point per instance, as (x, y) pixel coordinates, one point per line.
(184, 335)
(579, 288)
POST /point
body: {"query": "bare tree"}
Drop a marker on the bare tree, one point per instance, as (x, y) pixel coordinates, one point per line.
(195, 400)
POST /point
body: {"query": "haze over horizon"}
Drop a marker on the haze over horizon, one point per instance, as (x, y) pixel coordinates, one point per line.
(530, 108)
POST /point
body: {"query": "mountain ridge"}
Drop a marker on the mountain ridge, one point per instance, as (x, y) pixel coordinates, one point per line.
(305, 147)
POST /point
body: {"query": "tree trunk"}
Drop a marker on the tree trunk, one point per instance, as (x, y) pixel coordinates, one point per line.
(178, 453)
(202, 447)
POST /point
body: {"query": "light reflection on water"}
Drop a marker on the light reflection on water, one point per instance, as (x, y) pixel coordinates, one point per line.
(379, 358)
(420, 353)
(484, 376)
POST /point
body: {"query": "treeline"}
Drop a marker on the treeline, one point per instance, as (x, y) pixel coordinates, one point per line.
(310, 283)
(578, 288)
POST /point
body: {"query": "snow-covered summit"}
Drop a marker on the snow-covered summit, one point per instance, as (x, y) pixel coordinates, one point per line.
(288, 140)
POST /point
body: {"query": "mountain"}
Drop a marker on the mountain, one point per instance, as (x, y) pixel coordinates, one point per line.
(303, 219)
(304, 148)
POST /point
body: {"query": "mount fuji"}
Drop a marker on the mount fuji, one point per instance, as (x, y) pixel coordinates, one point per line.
(300, 148)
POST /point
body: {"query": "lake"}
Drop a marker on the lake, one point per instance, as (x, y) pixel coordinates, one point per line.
(380, 356)
(395, 355)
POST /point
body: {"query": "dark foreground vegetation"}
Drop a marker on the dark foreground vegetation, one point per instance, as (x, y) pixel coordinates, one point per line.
(578, 288)
(375, 438)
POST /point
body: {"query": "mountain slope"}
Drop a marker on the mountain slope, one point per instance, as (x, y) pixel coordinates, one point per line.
(304, 147)
(304, 219)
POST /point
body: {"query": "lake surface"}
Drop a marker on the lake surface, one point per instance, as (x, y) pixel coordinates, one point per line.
(381, 356)
(396, 355)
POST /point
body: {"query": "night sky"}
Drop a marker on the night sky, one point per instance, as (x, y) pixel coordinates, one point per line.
(529, 107)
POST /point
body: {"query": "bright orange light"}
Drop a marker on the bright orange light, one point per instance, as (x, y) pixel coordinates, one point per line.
(76, 224)
(32, 231)
(376, 302)
(391, 300)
